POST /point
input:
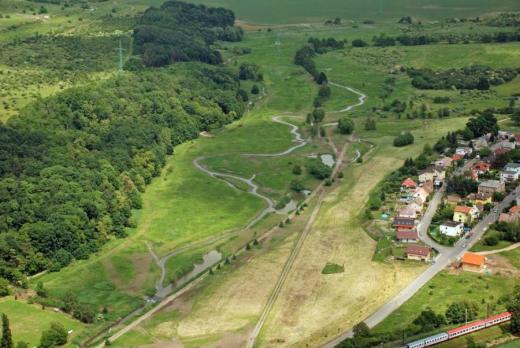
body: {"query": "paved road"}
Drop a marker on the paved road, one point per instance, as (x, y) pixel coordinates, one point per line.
(446, 256)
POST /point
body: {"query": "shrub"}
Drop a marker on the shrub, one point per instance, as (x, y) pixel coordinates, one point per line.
(404, 139)
(345, 125)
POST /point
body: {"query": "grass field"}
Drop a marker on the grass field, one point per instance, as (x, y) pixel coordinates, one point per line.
(28, 321)
(446, 288)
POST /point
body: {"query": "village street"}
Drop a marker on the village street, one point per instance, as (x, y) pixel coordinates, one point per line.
(446, 256)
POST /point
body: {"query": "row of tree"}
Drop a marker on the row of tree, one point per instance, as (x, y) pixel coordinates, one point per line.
(472, 77)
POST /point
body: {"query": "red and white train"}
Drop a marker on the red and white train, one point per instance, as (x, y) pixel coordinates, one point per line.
(460, 331)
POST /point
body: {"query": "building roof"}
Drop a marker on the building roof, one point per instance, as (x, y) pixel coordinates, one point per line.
(473, 259)
(408, 182)
(451, 223)
(481, 165)
(407, 234)
(462, 209)
(417, 250)
(454, 197)
(457, 157)
(408, 210)
(491, 183)
(512, 166)
(400, 221)
(514, 209)
(501, 151)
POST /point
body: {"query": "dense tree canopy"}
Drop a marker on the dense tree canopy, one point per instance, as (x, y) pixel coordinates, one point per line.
(72, 166)
(179, 31)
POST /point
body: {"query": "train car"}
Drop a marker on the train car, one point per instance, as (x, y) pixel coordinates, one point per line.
(468, 328)
(428, 341)
(498, 319)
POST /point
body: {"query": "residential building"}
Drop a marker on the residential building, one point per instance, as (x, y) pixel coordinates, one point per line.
(453, 199)
(465, 214)
(479, 198)
(481, 167)
(463, 151)
(512, 216)
(403, 223)
(472, 262)
(419, 253)
(510, 173)
(452, 228)
(408, 212)
(505, 144)
(491, 186)
(428, 186)
(456, 157)
(407, 235)
(480, 143)
(427, 174)
(420, 196)
(408, 184)
(500, 151)
(444, 162)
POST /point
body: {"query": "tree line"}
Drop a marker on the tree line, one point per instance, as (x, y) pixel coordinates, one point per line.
(179, 31)
(74, 165)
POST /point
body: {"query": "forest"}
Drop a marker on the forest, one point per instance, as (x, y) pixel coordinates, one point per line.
(178, 31)
(72, 166)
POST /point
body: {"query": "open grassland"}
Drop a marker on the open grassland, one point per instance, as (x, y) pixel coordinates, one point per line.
(446, 288)
(23, 316)
(513, 256)
(304, 11)
(307, 309)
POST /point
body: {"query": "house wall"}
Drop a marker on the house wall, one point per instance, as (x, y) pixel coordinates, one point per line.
(460, 217)
(418, 257)
(471, 268)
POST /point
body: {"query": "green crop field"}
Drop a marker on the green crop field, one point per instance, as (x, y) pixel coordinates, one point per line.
(304, 11)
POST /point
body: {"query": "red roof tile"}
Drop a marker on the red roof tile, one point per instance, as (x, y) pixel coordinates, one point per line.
(462, 209)
(417, 250)
(408, 182)
(473, 259)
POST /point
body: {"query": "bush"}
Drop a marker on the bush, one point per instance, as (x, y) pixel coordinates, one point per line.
(359, 43)
(319, 170)
(491, 240)
(345, 125)
(404, 139)
(55, 336)
(4, 288)
(297, 169)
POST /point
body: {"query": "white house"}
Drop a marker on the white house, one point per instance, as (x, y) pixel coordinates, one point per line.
(510, 173)
(432, 173)
(452, 228)
(420, 195)
(463, 151)
(444, 162)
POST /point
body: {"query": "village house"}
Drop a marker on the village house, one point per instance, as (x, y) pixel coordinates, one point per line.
(403, 223)
(407, 235)
(451, 228)
(419, 253)
(480, 199)
(491, 186)
(428, 186)
(510, 173)
(408, 212)
(432, 173)
(456, 157)
(453, 199)
(472, 262)
(500, 151)
(505, 144)
(481, 167)
(444, 162)
(512, 216)
(463, 151)
(420, 196)
(408, 184)
(465, 214)
(480, 143)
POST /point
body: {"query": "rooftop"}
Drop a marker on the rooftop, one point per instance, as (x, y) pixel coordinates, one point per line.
(462, 209)
(408, 182)
(491, 183)
(407, 234)
(417, 250)
(473, 259)
(450, 223)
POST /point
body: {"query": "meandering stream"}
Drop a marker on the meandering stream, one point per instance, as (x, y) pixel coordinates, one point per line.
(213, 257)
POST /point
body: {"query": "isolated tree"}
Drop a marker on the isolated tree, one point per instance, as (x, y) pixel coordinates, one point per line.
(322, 78)
(297, 169)
(255, 90)
(7, 339)
(56, 335)
(318, 115)
(345, 125)
(359, 43)
(297, 185)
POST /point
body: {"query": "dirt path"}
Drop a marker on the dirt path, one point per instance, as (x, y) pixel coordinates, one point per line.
(491, 252)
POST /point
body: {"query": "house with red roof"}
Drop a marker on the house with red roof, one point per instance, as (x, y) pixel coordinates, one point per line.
(481, 167)
(408, 184)
(472, 262)
(457, 157)
(403, 223)
(465, 214)
(407, 235)
(418, 252)
(513, 215)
